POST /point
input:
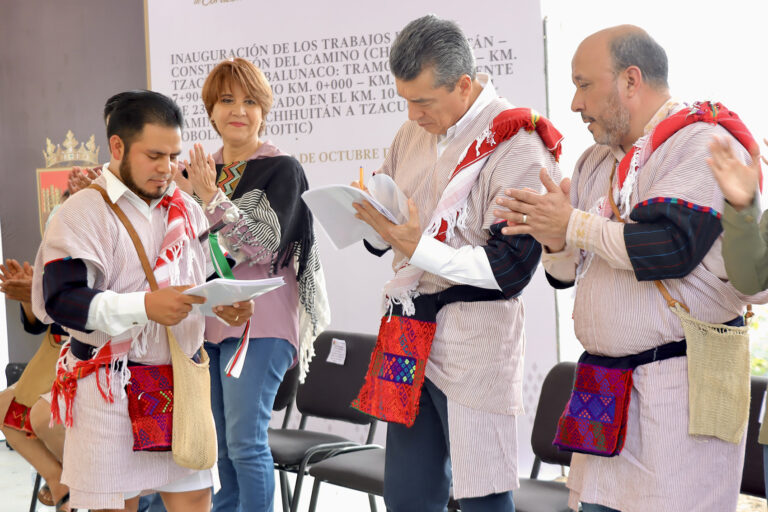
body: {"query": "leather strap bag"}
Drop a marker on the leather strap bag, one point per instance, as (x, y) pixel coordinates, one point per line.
(194, 431)
(718, 368)
(39, 374)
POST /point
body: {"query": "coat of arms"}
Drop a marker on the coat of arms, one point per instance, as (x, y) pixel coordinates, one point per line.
(59, 160)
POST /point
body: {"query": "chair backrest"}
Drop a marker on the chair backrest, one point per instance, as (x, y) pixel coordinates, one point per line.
(287, 390)
(286, 394)
(752, 480)
(555, 392)
(13, 372)
(329, 388)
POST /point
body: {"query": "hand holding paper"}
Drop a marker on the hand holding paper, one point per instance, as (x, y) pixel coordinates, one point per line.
(226, 292)
(403, 237)
(170, 305)
(333, 208)
(236, 314)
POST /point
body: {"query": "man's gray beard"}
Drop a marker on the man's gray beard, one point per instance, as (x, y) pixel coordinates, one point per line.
(615, 123)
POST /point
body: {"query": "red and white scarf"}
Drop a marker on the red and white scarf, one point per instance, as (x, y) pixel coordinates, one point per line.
(451, 209)
(178, 233)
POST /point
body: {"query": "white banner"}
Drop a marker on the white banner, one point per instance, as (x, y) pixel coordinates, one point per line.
(336, 109)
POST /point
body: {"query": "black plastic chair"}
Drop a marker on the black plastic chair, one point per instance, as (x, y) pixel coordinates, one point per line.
(752, 481)
(536, 495)
(326, 393)
(284, 400)
(362, 468)
(286, 394)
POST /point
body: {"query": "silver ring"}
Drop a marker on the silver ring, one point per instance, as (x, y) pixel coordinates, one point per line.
(525, 219)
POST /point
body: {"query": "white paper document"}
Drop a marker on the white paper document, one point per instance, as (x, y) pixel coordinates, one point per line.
(224, 292)
(332, 207)
(338, 352)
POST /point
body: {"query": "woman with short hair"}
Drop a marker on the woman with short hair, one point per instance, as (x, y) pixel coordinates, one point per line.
(251, 193)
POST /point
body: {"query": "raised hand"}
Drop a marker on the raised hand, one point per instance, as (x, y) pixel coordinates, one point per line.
(16, 280)
(543, 216)
(183, 183)
(201, 170)
(77, 180)
(738, 182)
(168, 306)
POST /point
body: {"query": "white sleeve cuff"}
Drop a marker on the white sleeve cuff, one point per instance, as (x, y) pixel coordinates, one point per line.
(377, 242)
(115, 313)
(466, 265)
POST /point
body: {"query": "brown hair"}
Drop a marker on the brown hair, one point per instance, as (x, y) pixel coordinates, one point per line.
(243, 73)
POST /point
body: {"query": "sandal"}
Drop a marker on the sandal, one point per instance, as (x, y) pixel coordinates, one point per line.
(45, 496)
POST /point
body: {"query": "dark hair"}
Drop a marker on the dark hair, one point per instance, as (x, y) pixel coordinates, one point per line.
(109, 106)
(131, 113)
(639, 49)
(432, 42)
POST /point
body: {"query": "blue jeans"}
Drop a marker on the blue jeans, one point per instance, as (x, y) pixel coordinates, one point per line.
(417, 474)
(591, 507)
(151, 503)
(242, 409)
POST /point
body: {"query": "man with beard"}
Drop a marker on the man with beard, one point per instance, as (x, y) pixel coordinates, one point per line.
(89, 279)
(648, 169)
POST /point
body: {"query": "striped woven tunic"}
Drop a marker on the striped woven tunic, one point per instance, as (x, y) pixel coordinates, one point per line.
(99, 463)
(477, 353)
(673, 234)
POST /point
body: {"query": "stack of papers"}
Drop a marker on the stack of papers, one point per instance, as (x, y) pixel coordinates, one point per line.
(332, 208)
(225, 292)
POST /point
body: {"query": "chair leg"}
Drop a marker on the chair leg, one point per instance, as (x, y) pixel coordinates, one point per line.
(536, 468)
(372, 501)
(315, 493)
(285, 491)
(35, 490)
(297, 487)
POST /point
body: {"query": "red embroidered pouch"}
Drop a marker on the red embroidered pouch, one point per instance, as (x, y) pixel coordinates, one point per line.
(395, 374)
(150, 406)
(595, 418)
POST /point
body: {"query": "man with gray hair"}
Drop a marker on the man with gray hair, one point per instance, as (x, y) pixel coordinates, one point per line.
(643, 218)
(447, 372)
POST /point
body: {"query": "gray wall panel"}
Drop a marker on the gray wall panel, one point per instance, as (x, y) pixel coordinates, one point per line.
(59, 62)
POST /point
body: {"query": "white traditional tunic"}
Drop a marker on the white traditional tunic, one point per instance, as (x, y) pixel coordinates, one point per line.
(99, 463)
(661, 467)
(476, 357)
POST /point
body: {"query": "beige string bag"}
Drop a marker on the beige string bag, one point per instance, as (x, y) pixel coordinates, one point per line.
(39, 373)
(718, 368)
(193, 440)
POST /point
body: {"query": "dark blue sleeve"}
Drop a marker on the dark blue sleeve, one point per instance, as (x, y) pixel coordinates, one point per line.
(671, 237)
(513, 259)
(36, 327)
(66, 293)
(558, 284)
